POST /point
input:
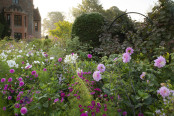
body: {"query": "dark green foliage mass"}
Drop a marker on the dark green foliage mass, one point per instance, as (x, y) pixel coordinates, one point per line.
(88, 27)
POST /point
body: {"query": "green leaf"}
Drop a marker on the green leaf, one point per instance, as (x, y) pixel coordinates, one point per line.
(45, 104)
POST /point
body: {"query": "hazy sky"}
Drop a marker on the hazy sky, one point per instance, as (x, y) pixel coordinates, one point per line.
(65, 6)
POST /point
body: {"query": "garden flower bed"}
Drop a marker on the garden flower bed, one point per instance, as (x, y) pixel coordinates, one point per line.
(37, 81)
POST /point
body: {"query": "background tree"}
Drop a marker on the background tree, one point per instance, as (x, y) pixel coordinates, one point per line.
(63, 29)
(53, 17)
(87, 6)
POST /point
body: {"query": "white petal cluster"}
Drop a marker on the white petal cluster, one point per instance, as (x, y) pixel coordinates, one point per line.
(36, 62)
(79, 70)
(3, 56)
(12, 63)
(51, 58)
(69, 59)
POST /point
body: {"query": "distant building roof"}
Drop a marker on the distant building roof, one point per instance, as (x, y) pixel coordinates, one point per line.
(36, 15)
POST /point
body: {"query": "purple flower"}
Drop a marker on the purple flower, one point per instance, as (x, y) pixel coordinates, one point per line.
(3, 80)
(60, 59)
(21, 83)
(56, 100)
(115, 58)
(4, 108)
(20, 79)
(93, 103)
(44, 69)
(104, 114)
(9, 97)
(36, 75)
(126, 57)
(101, 67)
(22, 62)
(23, 110)
(129, 50)
(17, 105)
(124, 113)
(62, 95)
(62, 100)
(10, 80)
(33, 73)
(81, 110)
(89, 56)
(97, 76)
(99, 105)
(142, 76)
(160, 62)
(164, 92)
(12, 71)
(84, 114)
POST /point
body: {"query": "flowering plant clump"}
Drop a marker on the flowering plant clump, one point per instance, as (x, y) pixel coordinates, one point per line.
(33, 82)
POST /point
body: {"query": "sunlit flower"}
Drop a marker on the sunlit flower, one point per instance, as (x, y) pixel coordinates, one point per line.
(160, 62)
(101, 67)
(129, 50)
(69, 59)
(164, 91)
(126, 57)
(97, 76)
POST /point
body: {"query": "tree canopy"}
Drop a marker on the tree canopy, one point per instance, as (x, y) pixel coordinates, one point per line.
(53, 17)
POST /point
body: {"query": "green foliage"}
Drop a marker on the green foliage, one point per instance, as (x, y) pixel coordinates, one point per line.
(88, 27)
(63, 30)
(87, 6)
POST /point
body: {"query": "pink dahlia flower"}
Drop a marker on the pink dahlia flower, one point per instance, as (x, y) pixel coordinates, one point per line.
(21, 83)
(12, 70)
(60, 59)
(101, 67)
(10, 80)
(3, 80)
(33, 73)
(23, 110)
(164, 91)
(160, 62)
(97, 75)
(89, 56)
(129, 50)
(126, 57)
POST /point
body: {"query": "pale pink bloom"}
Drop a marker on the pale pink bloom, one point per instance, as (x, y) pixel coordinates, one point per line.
(101, 67)
(160, 62)
(142, 76)
(164, 91)
(126, 57)
(129, 50)
(97, 75)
